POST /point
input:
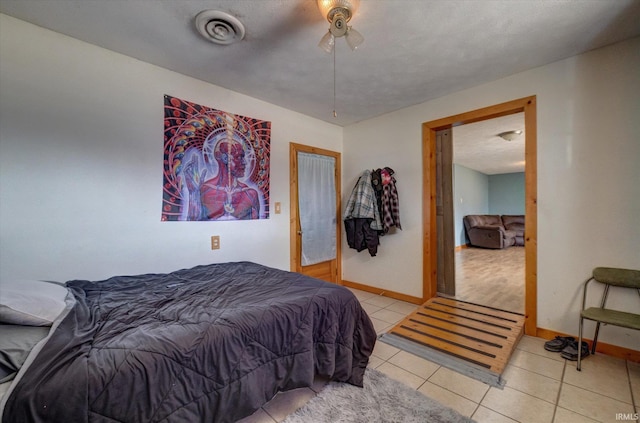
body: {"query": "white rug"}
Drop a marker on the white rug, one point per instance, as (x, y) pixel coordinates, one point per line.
(381, 400)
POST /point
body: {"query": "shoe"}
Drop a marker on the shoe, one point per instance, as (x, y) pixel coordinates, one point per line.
(570, 352)
(559, 343)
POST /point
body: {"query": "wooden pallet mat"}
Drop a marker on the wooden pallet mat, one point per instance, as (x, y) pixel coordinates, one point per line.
(472, 339)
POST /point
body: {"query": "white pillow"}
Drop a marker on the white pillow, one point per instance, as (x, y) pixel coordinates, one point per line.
(30, 302)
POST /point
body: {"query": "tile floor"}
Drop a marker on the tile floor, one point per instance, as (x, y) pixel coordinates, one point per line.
(541, 386)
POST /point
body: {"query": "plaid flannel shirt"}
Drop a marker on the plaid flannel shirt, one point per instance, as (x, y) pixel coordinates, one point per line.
(390, 206)
(362, 202)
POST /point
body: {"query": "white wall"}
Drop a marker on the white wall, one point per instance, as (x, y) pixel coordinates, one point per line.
(81, 143)
(588, 179)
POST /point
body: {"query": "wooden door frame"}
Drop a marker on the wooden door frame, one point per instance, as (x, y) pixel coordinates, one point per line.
(294, 222)
(429, 243)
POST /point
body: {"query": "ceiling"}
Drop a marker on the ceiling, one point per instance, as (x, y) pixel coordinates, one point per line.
(414, 50)
(477, 145)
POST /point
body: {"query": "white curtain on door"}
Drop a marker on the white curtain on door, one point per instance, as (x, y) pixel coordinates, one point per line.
(317, 204)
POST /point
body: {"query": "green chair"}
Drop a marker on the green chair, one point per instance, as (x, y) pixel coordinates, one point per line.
(608, 276)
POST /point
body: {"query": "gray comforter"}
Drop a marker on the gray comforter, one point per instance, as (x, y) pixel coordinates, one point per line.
(212, 343)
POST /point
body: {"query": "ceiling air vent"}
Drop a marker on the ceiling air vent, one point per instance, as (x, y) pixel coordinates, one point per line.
(219, 27)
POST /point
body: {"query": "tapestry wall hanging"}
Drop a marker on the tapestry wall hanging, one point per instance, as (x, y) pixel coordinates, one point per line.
(216, 164)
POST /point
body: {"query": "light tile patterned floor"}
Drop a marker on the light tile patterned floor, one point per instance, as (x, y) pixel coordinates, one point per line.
(541, 386)
(492, 278)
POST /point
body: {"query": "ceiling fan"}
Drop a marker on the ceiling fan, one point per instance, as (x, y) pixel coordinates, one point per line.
(339, 13)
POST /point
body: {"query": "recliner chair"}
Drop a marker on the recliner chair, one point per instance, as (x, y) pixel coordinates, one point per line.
(487, 231)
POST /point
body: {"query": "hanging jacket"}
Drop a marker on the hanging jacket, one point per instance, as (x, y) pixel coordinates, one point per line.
(390, 202)
(376, 182)
(360, 236)
(362, 203)
(362, 221)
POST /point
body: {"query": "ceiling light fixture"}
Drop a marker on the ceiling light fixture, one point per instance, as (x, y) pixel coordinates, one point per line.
(338, 13)
(510, 135)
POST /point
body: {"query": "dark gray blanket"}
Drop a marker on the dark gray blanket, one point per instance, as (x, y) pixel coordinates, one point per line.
(212, 343)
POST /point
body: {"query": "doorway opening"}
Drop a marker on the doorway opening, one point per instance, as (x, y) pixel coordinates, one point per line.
(488, 189)
(433, 212)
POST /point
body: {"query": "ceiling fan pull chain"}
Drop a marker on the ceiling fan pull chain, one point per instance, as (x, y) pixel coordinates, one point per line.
(335, 115)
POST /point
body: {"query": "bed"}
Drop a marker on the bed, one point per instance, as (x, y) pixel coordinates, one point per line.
(210, 343)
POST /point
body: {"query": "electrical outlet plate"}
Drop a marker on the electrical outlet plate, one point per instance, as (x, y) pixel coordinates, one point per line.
(215, 242)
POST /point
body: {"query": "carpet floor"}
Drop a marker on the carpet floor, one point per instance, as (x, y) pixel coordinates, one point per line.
(382, 399)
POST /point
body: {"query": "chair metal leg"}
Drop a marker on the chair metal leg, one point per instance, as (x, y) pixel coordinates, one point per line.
(595, 338)
(605, 294)
(580, 344)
